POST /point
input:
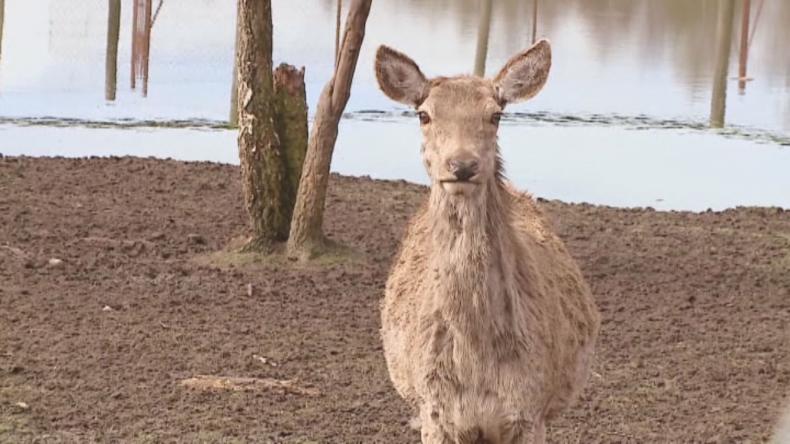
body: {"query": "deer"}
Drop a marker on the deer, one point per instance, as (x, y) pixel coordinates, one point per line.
(488, 326)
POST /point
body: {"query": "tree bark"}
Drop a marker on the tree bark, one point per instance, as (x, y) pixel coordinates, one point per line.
(723, 42)
(482, 38)
(111, 56)
(290, 103)
(262, 163)
(306, 238)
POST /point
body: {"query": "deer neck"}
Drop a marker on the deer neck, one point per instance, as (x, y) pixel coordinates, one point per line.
(473, 255)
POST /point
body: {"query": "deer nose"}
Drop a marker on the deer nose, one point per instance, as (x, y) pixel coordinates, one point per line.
(463, 168)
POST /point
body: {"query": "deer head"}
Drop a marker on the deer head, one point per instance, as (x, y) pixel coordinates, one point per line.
(459, 116)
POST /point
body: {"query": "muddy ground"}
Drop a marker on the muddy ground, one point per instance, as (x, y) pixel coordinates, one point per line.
(694, 344)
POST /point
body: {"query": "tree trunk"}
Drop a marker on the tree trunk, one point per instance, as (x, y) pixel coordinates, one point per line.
(2, 18)
(482, 38)
(307, 239)
(290, 103)
(111, 56)
(262, 163)
(723, 40)
(141, 42)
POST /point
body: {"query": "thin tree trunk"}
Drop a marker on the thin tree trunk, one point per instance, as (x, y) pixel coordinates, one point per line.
(744, 50)
(2, 19)
(146, 46)
(233, 118)
(482, 37)
(534, 21)
(111, 56)
(262, 166)
(135, 44)
(290, 102)
(141, 42)
(307, 238)
(723, 40)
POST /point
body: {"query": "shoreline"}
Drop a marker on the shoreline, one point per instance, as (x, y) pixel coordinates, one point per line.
(778, 209)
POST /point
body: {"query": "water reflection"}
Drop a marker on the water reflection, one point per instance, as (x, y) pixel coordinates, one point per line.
(718, 102)
(611, 56)
(618, 65)
(111, 63)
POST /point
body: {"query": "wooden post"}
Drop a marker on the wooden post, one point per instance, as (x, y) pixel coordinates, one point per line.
(723, 39)
(483, 29)
(111, 55)
(744, 50)
(307, 239)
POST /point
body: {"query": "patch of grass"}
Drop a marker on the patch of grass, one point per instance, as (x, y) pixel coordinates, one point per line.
(233, 256)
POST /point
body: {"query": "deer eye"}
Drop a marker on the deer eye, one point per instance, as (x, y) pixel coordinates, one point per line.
(495, 118)
(424, 117)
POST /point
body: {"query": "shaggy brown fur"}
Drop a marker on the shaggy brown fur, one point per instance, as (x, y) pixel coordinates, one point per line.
(488, 326)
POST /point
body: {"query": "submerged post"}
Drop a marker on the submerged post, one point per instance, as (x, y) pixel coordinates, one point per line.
(482, 38)
(111, 56)
(744, 52)
(723, 38)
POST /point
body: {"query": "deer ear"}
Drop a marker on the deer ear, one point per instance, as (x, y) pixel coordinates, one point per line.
(525, 74)
(399, 77)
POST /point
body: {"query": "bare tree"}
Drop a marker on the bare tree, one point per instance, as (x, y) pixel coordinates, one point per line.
(306, 238)
(718, 101)
(111, 56)
(272, 117)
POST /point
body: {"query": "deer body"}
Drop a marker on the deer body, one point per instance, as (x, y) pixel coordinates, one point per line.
(487, 324)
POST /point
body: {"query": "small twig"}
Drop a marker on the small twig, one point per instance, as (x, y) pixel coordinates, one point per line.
(156, 13)
(754, 25)
(207, 382)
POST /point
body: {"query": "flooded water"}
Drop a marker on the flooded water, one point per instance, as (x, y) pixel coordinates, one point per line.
(622, 120)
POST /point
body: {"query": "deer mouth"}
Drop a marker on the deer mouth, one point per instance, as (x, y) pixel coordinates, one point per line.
(458, 187)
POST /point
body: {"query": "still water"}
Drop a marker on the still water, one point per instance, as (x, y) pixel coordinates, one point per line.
(622, 120)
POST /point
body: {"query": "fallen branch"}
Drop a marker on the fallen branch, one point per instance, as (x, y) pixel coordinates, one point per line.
(208, 382)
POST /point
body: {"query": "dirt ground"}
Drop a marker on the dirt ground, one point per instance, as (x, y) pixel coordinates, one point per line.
(694, 344)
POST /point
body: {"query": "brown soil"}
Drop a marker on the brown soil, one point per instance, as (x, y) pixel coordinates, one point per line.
(98, 347)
